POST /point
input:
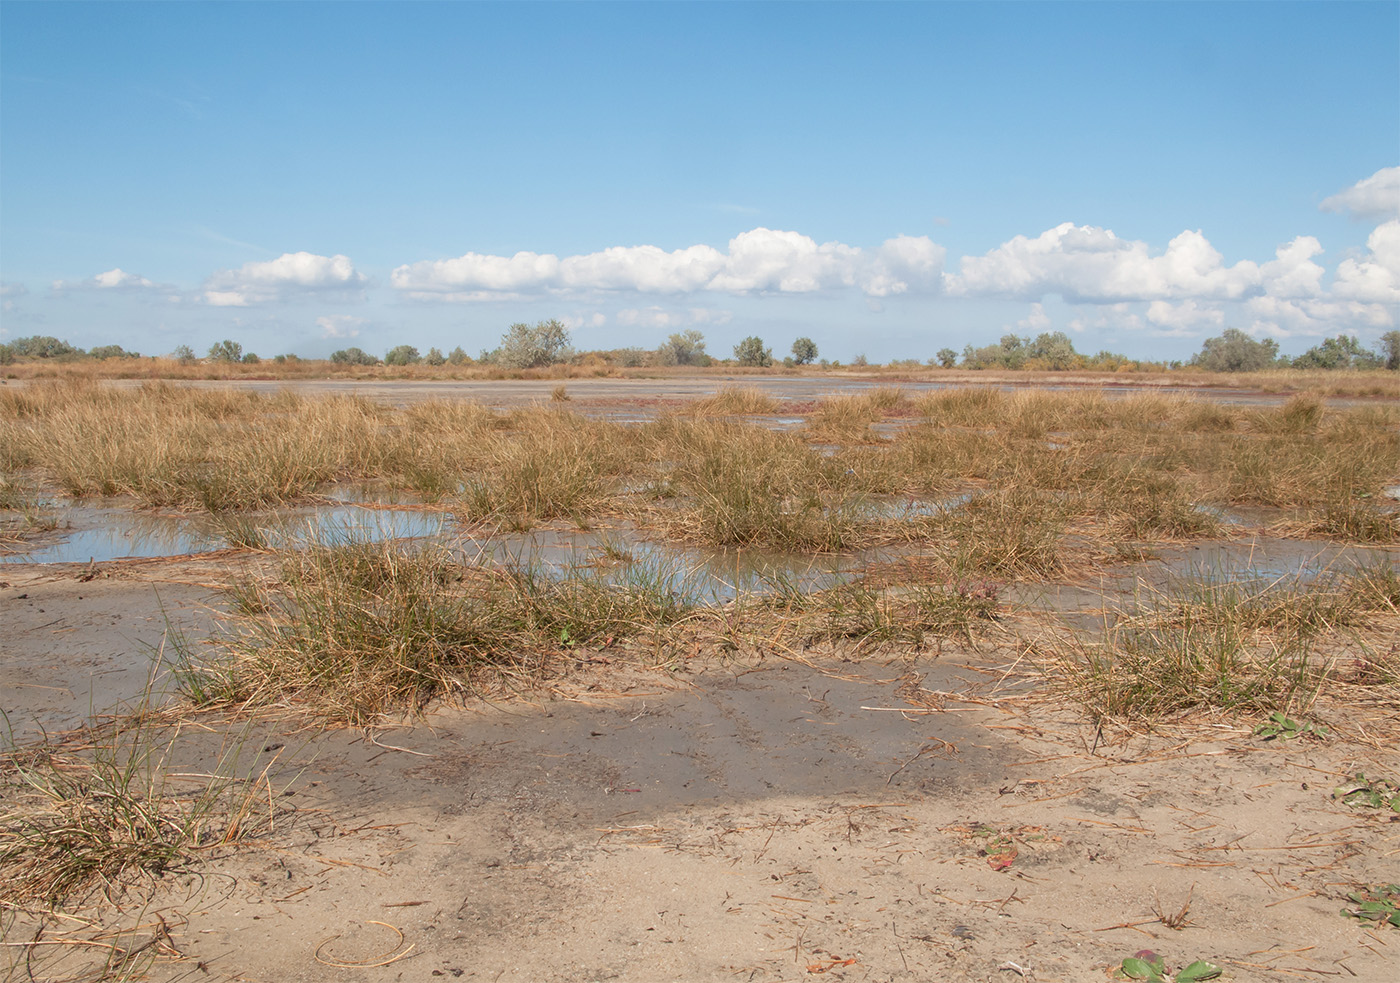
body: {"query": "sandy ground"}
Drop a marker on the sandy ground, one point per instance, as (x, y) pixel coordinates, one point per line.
(746, 817)
(898, 817)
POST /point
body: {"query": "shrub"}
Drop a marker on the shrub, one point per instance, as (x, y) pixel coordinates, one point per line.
(526, 347)
(751, 352)
(403, 355)
(1235, 351)
(102, 352)
(43, 346)
(353, 356)
(226, 351)
(686, 348)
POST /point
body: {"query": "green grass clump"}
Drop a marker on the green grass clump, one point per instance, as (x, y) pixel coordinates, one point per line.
(1144, 672)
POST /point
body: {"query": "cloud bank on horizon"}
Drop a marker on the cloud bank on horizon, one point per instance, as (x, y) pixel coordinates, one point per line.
(1186, 289)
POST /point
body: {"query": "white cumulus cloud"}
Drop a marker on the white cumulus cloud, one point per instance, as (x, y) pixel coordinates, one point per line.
(1036, 321)
(340, 325)
(117, 278)
(278, 279)
(575, 321)
(1185, 317)
(758, 261)
(1086, 264)
(1375, 278)
(1374, 198)
(646, 269)
(660, 317)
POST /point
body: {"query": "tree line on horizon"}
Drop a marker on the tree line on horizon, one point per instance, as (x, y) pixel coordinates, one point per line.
(546, 343)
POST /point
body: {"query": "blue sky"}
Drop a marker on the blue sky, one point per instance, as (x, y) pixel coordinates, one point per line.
(886, 179)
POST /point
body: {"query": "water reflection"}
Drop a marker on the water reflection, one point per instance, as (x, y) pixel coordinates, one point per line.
(104, 534)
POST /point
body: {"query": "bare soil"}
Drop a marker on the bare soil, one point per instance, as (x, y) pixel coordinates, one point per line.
(902, 816)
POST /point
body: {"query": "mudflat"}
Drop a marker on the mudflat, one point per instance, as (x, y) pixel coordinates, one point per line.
(966, 754)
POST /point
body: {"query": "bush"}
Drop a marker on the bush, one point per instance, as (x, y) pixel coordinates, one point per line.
(435, 357)
(1235, 351)
(526, 347)
(226, 351)
(1341, 352)
(353, 356)
(403, 355)
(686, 348)
(751, 352)
(43, 346)
(102, 352)
(458, 357)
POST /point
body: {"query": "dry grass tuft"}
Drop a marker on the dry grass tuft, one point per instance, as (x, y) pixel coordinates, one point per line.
(735, 401)
(355, 631)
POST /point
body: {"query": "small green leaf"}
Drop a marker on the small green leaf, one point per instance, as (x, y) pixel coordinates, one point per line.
(1140, 969)
(1198, 970)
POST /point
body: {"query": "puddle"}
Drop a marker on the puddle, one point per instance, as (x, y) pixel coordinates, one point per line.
(704, 576)
(104, 534)
(1265, 558)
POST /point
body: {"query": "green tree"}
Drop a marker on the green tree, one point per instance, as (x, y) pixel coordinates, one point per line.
(1341, 352)
(1054, 350)
(947, 357)
(458, 357)
(751, 352)
(226, 351)
(104, 352)
(435, 357)
(804, 351)
(43, 346)
(685, 348)
(1235, 351)
(527, 347)
(353, 356)
(183, 354)
(250, 358)
(402, 355)
(1389, 347)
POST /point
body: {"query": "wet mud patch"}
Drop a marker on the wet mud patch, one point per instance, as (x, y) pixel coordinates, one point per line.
(721, 738)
